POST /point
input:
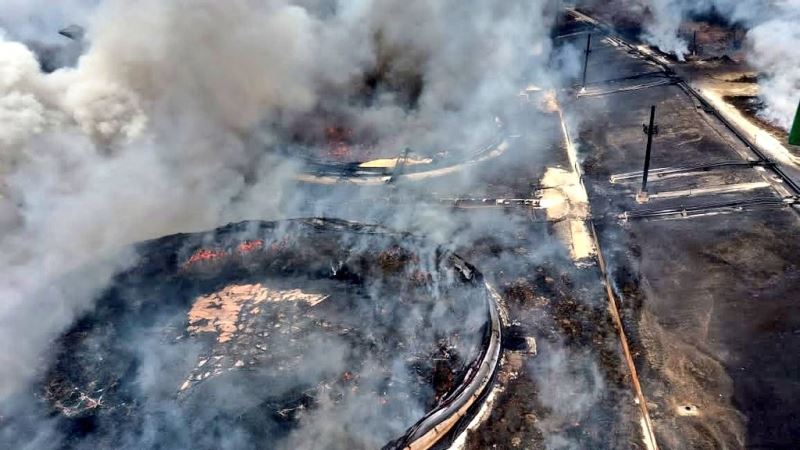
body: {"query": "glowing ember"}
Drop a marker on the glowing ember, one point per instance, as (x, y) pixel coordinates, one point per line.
(338, 141)
(243, 248)
(249, 246)
(203, 254)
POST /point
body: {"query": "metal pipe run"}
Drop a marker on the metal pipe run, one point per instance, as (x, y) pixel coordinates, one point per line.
(703, 167)
(612, 33)
(432, 428)
(689, 211)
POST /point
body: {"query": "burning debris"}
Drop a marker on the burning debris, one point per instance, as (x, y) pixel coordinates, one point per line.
(206, 255)
(301, 331)
(341, 152)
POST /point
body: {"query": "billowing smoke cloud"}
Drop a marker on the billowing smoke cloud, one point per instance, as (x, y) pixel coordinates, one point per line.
(662, 30)
(773, 51)
(581, 387)
(34, 22)
(37, 20)
(163, 123)
(666, 17)
(772, 38)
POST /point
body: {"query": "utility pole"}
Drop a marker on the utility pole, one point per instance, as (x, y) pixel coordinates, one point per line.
(586, 58)
(650, 130)
(694, 43)
(399, 166)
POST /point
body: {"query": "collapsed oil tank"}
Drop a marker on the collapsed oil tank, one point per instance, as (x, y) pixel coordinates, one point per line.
(295, 334)
(337, 147)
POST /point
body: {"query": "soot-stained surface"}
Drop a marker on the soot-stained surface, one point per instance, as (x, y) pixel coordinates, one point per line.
(268, 332)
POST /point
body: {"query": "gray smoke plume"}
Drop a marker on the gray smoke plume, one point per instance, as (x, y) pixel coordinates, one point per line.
(771, 37)
(581, 387)
(667, 16)
(33, 22)
(772, 50)
(166, 122)
(771, 42)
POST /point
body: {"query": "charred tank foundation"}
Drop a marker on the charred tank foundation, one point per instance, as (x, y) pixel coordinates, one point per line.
(267, 331)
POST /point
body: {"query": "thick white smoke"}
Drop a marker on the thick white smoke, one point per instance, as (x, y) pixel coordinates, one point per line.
(666, 16)
(35, 20)
(773, 51)
(773, 38)
(162, 125)
(662, 30)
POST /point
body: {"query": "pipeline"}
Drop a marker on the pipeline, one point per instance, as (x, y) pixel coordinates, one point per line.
(687, 211)
(438, 423)
(703, 167)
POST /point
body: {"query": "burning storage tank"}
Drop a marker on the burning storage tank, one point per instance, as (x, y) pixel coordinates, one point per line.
(341, 146)
(297, 334)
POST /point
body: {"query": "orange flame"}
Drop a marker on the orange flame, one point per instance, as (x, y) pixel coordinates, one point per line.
(205, 255)
(338, 140)
(249, 246)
